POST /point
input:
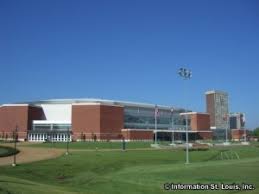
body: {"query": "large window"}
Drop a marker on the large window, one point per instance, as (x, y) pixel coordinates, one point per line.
(41, 127)
(144, 118)
(61, 126)
(51, 127)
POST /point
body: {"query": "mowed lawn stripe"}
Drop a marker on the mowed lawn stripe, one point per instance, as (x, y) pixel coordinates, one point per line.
(14, 185)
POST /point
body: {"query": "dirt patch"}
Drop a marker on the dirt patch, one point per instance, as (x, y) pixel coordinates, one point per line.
(28, 154)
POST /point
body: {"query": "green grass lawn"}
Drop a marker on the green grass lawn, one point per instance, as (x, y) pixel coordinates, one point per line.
(135, 171)
(103, 145)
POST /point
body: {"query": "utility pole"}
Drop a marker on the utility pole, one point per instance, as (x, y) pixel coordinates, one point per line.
(172, 126)
(68, 138)
(156, 112)
(15, 141)
(226, 118)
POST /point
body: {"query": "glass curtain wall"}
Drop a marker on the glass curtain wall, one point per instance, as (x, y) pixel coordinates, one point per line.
(144, 118)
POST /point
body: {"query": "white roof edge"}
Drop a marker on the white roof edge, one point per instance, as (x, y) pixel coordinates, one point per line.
(95, 103)
(215, 91)
(94, 100)
(15, 104)
(31, 105)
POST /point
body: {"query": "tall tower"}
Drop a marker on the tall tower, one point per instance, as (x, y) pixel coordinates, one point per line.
(217, 107)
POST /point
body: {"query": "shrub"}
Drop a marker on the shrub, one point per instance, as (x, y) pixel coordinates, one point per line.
(197, 149)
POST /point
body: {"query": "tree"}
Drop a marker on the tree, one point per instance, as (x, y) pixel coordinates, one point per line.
(256, 132)
(82, 137)
(94, 137)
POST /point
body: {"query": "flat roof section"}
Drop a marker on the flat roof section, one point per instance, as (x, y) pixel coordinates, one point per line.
(20, 104)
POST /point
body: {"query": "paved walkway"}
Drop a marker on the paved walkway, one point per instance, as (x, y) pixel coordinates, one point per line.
(28, 154)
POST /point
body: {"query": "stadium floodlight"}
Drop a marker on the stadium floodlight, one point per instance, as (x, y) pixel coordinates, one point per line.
(186, 74)
(181, 71)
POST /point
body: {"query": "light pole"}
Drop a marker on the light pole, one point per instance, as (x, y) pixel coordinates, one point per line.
(68, 138)
(15, 139)
(186, 74)
(123, 144)
(156, 113)
(243, 126)
(227, 129)
(226, 118)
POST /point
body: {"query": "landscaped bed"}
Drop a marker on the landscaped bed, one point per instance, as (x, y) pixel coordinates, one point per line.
(7, 151)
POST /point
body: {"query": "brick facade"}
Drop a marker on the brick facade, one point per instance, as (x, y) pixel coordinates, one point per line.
(237, 134)
(20, 116)
(96, 121)
(200, 122)
(89, 121)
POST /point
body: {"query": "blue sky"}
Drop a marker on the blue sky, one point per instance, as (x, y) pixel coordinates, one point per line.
(131, 50)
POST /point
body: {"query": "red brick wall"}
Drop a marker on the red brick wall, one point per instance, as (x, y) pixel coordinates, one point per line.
(137, 135)
(85, 121)
(102, 121)
(112, 121)
(200, 122)
(22, 116)
(237, 133)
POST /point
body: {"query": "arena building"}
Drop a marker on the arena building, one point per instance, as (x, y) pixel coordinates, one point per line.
(97, 119)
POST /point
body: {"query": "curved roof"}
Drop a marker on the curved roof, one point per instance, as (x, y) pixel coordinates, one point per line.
(101, 101)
